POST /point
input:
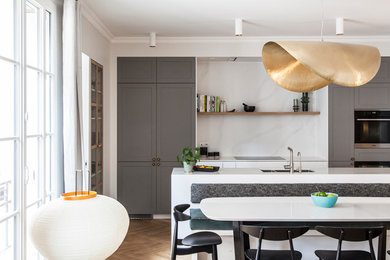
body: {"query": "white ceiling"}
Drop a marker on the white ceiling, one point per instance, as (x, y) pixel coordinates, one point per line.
(195, 18)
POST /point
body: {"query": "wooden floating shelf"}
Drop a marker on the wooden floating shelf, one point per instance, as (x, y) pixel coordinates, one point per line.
(255, 113)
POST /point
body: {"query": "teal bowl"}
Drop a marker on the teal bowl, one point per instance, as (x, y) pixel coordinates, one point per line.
(325, 202)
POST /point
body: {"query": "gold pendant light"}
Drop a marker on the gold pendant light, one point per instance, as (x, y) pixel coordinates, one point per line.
(308, 66)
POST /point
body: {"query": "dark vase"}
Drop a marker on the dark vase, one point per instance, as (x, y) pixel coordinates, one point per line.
(305, 107)
(305, 101)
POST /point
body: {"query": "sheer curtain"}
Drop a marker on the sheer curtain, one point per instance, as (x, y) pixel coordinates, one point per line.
(72, 94)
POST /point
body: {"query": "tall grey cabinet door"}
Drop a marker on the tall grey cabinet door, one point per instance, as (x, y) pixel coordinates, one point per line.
(137, 187)
(136, 122)
(175, 119)
(341, 126)
(136, 70)
(176, 70)
(164, 171)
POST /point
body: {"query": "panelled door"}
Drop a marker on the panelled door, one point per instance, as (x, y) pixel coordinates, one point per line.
(175, 119)
(136, 122)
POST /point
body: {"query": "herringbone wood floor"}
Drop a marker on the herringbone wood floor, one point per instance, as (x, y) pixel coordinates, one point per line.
(147, 240)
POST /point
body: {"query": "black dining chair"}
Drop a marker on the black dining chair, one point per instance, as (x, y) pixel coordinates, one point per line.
(351, 234)
(193, 243)
(273, 233)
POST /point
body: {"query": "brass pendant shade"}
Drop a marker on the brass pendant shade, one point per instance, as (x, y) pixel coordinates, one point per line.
(308, 66)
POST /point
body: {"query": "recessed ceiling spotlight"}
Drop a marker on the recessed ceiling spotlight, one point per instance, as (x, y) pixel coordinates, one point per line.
(238, 23)
(152, 39)
(339, 26)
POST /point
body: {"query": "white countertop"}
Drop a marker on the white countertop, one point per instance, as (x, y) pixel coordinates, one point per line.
(295, 209)
(256, 171)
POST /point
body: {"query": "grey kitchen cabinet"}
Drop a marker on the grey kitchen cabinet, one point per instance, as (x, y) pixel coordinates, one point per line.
(136, 122)
(376, 93)
(163, 197)
(383, 75)
(155, 121)
(341, 126)
(136, 70)
(137, 187)
(176, 70)
(373, 96)
(176, 119)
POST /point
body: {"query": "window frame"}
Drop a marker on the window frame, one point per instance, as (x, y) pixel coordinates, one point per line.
(19, 212)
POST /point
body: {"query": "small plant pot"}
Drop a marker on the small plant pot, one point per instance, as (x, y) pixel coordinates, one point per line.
(188, 167)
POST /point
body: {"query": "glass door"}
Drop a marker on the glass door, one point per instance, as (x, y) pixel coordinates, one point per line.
(96, 127)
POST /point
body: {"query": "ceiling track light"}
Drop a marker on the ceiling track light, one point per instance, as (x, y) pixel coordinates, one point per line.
(339, 26)
(152, 39)
(238, 23)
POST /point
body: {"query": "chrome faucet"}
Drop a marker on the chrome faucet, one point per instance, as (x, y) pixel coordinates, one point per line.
(300, 162)
(291, 165)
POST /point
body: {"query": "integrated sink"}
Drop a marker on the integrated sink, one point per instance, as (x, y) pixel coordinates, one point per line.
(284, 170)
(259, 158)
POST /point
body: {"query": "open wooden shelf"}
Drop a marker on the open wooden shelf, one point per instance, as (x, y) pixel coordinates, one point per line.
(255, 113)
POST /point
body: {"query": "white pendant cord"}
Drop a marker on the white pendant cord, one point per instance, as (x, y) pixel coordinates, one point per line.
(322, 21)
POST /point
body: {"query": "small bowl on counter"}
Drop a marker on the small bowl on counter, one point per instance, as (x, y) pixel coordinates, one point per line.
(327, 201)
(249, 108)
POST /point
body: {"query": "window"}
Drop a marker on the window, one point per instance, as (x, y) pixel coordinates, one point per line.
(27, 144)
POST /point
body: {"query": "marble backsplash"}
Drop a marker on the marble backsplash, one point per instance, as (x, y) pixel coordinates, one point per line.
(248, 82)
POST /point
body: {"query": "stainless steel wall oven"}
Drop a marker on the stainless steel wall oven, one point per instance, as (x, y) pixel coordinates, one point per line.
(372, 129)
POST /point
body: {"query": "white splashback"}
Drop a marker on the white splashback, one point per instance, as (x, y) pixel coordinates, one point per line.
(248, 82)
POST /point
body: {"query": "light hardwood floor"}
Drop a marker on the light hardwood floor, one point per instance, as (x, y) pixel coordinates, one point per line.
(147, 240)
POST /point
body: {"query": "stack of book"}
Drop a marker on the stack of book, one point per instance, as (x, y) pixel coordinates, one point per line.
(208, 103)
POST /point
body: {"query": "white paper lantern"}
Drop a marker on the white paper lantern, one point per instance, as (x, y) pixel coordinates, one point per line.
(84, 229)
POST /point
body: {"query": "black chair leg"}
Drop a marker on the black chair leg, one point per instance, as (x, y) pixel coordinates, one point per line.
(215, 253)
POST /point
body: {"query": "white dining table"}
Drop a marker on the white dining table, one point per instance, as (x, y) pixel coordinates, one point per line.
(372, 210)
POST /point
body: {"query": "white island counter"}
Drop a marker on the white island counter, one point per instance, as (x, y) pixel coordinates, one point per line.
(182, 183)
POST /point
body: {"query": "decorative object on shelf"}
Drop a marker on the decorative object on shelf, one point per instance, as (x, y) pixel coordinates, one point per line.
(305, 101)
(308, 66)
(232, 111)
(295, 105)
(66, 228)
(208, 103)
(248, 108)
(216, 155)
(223, 105)
(189, 158)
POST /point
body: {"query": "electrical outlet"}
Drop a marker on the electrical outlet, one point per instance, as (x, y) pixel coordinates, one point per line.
(204, 145)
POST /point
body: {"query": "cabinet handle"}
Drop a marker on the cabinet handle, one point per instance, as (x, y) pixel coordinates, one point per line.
(153, 164)
(158, 164)
(158, 159)
(153, 159)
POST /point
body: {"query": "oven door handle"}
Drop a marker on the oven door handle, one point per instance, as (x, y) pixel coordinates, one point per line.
(373, 119)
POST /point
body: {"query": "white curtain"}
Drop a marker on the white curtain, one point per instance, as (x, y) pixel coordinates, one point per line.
(72, 94)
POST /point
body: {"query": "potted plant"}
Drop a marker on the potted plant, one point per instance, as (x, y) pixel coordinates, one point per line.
(189, 158)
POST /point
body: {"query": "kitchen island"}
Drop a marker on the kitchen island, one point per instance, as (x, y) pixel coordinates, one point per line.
(347, 182)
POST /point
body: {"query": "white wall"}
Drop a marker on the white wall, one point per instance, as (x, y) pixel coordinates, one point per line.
(248, 82)
(97, 47)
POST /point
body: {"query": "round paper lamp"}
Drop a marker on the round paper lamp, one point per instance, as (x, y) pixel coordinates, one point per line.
(81, 228)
